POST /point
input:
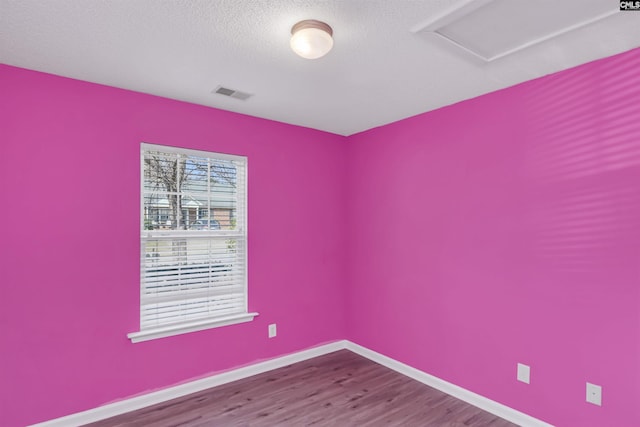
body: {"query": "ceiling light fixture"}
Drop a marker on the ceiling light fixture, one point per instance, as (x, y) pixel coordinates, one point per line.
(311, 39)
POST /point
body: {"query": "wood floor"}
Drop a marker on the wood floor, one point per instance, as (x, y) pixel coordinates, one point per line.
(337, 389)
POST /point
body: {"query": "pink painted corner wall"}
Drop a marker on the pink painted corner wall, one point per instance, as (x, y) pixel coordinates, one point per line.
(506, 229)
(500, 230)
(69, 227)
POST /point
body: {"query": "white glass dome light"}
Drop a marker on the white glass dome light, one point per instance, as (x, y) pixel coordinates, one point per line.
(311, 39)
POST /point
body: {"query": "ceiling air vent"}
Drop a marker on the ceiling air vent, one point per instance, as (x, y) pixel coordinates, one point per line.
(232, 93)
(492, 29)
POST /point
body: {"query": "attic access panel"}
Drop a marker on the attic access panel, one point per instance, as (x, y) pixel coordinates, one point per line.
(492, 29)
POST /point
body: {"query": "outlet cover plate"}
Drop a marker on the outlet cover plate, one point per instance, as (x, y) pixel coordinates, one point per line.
(272, 330)
(594, 394)
(524, 373)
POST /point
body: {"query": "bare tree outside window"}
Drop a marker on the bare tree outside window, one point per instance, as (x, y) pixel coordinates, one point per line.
(181, 185)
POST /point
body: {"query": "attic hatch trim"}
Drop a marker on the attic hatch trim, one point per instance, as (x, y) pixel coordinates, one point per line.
(468, 7)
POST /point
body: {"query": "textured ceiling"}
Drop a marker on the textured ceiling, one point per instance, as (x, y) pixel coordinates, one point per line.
(378, 72)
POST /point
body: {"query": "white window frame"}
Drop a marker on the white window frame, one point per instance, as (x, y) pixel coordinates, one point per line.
(212, 321)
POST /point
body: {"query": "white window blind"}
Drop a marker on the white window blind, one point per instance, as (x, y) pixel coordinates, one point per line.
(193, 241)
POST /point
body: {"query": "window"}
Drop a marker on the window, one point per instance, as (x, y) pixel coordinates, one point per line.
(193, 241)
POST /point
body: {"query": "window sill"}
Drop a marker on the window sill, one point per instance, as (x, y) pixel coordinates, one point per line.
(183, 328)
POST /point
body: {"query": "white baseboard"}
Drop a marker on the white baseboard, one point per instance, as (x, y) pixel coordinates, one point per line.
(138, 402)
(465, 395)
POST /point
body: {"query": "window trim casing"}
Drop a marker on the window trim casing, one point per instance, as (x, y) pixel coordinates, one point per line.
(205, 323)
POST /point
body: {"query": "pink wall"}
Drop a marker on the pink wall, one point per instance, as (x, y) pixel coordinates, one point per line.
(499, 230)
(69, 269)
(506, 229)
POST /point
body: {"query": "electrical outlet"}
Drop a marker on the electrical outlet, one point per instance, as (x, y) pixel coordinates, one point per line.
(272, 330)
(594, 394)
(524, 373)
